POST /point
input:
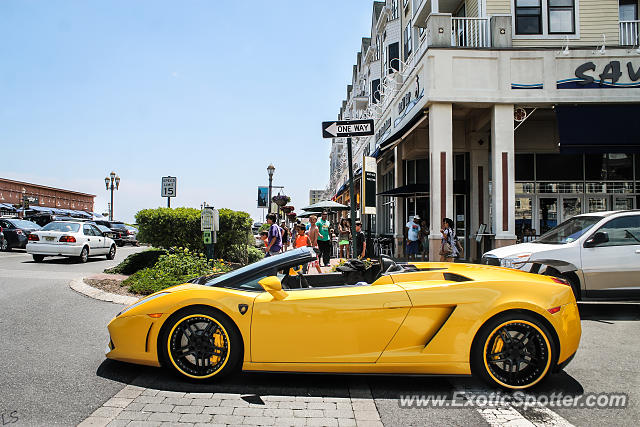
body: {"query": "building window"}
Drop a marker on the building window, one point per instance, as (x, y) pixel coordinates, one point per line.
(375, 91)
(376, 52)
(394, 57)
(628, 10)
(394, 9)
(528, 17)
(407, 40)
(561, 13)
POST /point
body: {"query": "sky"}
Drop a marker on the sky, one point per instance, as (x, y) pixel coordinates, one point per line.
(211, 92)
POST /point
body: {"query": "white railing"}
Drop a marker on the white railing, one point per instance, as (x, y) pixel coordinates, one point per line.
(470, 32)
(629, 33)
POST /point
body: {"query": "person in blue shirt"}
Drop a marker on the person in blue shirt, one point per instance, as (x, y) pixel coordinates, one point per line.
(274, 238)
(413, 234)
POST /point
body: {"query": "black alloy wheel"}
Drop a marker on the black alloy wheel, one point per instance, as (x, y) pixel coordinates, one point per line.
(4, 245)
(513, 352)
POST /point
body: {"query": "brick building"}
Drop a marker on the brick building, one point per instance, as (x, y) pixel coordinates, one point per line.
(12, 192)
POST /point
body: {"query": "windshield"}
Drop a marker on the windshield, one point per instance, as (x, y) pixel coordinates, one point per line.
(263, 264)
(569, 231)
(21, 223)
(62, 226)
(104, 229)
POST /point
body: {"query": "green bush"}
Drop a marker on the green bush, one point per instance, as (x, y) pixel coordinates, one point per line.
(137, 261)
(254, 254)
(166, 227)
(174, 268)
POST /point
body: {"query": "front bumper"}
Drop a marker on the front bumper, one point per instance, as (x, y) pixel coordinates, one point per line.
(133, 339)
(52, 249)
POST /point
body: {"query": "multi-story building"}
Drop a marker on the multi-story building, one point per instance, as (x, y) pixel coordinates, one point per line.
(504, 115)
(316, 196)
(15, 193)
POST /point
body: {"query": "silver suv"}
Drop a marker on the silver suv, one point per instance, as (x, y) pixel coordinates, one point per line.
(598, 253)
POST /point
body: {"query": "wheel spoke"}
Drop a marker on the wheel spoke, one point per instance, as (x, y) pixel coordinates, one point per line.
(506, 337)
(210, 329)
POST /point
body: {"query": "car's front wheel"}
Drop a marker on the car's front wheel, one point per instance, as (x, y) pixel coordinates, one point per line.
(112, 252)
(200, 343)
(513, 351)
(38, 258)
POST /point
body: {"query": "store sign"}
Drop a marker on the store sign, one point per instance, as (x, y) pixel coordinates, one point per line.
(263, 195)
(600, 74)
(383, 129)
(369, 186)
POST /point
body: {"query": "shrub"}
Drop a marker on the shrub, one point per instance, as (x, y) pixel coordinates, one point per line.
(174, 268)
(254, 254)
(137, 261)
(166, 227)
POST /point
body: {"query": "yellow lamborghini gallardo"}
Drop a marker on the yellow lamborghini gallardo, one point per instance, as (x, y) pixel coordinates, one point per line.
(509, 328)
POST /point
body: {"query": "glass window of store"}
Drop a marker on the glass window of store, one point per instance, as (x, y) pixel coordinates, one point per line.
(386, 205)
(417, 172)
(545, 17)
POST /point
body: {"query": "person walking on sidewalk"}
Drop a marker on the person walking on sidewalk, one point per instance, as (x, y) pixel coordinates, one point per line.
(344, 231)
(448, 249)
(313, 234)
(359, 241)
(413, 233)
(324, 240)
(274, 238)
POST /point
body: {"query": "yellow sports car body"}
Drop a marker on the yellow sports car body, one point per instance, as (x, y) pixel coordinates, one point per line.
(507, 327)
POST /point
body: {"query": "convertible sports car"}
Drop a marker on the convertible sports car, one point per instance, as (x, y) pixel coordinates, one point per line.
(419, 318)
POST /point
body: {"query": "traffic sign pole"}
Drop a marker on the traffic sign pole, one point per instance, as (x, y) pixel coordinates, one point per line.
(352, 198)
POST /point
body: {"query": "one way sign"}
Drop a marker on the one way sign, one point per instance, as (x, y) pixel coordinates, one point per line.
(346, 128)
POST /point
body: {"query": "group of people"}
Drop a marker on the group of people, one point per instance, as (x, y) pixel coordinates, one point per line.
(317, 234)
(417, 235)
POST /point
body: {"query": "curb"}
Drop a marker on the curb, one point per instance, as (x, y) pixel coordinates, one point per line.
(79, 286)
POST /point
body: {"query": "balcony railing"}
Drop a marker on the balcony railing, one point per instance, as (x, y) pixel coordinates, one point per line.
(470, 32)
(629, 33)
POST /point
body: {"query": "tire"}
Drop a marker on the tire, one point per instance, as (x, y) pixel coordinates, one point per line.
(513, 351)
(121, 244)
(38, 258)
(214, 351)
(112, 252)
(4, 245)
(84, 255)
(575, 284)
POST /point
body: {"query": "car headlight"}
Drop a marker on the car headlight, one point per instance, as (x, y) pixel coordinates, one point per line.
(515, 261)
(142, 301)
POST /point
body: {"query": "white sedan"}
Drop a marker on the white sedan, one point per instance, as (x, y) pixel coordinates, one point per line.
(71, 239)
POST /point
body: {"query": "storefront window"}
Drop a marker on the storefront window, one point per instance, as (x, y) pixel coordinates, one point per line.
(610, 166)
(524, 167)
(559, 167)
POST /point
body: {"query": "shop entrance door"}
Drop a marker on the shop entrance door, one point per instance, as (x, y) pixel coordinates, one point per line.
(460, 221)
(547, 214)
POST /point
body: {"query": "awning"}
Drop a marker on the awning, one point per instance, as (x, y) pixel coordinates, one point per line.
(610, 128)
(409, 190)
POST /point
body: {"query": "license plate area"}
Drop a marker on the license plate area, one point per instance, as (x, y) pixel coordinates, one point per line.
(49, 238)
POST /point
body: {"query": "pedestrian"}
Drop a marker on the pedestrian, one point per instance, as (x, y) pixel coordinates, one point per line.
(335, 251)
(313, 234)
(412, 231)
(344, 235)
(424, 239)
(301, 239)
(324, 241)
(286, 235)
(274, 236)
(448, 248)
(264, 235)
(359, 241)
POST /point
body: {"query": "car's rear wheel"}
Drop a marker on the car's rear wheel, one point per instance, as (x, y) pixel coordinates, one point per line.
(38, 258)
(200, 343)
(513, 351)
(4, 246)
(84, 255)
(112, 252)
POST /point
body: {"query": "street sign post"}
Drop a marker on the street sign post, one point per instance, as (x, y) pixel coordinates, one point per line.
(210, 225)
(348, 129)
(168, 188)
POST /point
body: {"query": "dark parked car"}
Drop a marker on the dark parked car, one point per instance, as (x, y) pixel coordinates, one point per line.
(119, 228)
(3, 243)
(16, 231)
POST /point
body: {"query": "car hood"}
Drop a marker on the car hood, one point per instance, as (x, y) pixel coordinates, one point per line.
(522, 248)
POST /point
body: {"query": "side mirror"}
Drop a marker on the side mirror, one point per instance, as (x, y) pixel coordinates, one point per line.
(272, 285)
(597, 239)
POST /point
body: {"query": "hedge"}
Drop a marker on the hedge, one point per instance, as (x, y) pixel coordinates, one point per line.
(137, 261)
(180, 227)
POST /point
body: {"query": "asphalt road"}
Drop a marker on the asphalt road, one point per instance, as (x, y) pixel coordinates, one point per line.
(52, 340)
(54, 370)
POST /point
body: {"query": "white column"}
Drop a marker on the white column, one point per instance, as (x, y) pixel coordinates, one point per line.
(398, 207)
(503, 175)
(441, 172)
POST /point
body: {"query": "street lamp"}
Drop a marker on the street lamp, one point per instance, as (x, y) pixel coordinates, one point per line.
(112, 182)
(270, 170)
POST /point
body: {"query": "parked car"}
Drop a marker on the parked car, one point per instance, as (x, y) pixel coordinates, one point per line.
(3, 242)
(132, 235)
(597, 253)
(107, 232)
(119, 228)
(76, 239)
(16, 231)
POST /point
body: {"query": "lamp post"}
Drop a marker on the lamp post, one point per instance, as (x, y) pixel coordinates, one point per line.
(270, 170)
(112, 182)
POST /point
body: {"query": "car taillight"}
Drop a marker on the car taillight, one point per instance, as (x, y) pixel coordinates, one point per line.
(561, 281)
(33, 237)
(68, 239)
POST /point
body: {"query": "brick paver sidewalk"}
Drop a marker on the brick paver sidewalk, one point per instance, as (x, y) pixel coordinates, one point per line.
(139, 406)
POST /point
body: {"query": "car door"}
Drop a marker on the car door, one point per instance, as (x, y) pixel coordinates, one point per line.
(345, 324)
(612, 268)
(102, 241)
(95, 246)
(9, 232)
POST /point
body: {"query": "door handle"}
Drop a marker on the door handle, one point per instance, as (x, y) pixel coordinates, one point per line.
(396, 304)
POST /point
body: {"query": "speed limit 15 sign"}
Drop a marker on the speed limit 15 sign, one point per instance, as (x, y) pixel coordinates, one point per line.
(168, 186)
